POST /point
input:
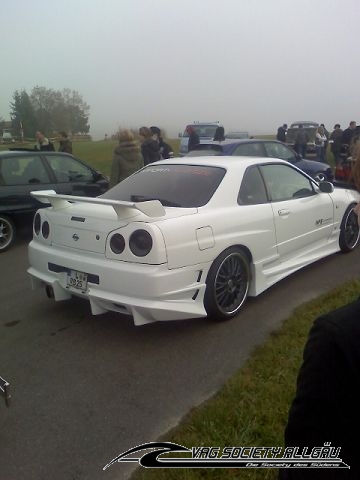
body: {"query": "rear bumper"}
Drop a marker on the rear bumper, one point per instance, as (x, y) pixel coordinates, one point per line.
(149, 293)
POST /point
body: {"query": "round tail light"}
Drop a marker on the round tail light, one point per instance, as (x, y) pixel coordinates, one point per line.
(140, 243)
(45, 229)
(117, 243)
(37, 223)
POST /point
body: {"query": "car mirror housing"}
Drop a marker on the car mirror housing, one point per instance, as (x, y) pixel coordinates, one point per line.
(326, 187)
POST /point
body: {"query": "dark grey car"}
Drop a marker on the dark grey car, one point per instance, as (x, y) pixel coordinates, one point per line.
(24, 171)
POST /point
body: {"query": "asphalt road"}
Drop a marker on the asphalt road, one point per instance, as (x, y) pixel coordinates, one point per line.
(87, 388)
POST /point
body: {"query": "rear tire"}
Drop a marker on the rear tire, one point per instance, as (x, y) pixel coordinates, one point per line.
(7, 233)
(227, 284)
(350, 231)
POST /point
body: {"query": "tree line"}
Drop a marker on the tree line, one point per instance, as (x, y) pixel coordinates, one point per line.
(48, 110)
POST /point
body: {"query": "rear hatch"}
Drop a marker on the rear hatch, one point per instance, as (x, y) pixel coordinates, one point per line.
(292, 132)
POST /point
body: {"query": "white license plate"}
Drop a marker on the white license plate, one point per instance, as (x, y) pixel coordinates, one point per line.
(77, 280)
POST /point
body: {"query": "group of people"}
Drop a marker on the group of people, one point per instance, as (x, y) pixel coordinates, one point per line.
(341, 141)
(44, 144)
(130, 155)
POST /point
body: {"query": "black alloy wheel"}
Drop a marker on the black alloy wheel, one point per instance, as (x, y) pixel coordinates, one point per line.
(350, 232)
(227, 284)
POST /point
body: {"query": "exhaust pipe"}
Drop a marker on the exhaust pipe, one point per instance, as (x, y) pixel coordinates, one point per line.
(49, 291)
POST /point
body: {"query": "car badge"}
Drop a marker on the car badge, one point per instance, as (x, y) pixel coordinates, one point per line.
(75, 237)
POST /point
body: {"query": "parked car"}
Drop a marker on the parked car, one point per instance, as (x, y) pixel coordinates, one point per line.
(189, 238)
(205, 130)
(265, 148)
(309, 127)
(24, 171)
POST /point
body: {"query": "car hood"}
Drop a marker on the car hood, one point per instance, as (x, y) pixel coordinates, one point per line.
(312, 165)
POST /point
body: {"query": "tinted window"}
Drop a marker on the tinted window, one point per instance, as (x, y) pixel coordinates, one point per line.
(250, 149)
(285, 183)
(252, 190)
(174, 185)
(68, 169)
(278, 150)
(23, 171)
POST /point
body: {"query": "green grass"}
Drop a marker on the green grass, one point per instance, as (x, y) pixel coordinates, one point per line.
(252, 407)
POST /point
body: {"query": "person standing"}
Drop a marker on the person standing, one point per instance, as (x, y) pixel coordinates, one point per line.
(127, 158)
(65, 143)
(335, 141)
(194, 139)
(347, 137)
(320, 141)
(301, 141)
(150, 148)
(165, 149)
(43, 143)
(219, 134)
(326, 404)
(281, 133)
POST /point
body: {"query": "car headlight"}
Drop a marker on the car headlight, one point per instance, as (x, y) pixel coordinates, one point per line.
(117, 243)
(37, 223)
(140, 243)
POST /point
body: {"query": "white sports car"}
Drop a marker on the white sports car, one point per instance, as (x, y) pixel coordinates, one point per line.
(189, 238)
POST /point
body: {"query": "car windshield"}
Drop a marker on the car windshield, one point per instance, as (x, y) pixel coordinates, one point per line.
(203, 130)
(185, 186)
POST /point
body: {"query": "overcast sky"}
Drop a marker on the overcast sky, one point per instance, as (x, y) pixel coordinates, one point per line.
(251, 64)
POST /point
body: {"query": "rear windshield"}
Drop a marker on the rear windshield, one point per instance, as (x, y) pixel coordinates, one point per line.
(185, 186)
(203, 130)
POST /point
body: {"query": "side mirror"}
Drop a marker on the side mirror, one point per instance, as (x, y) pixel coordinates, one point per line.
(326, 187)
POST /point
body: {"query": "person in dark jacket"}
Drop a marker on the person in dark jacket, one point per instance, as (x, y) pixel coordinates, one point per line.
(281, 133)
(165, 149)
(65, 145)
(335, 141)
(326, 405)
(150, 148)
(43, 143)
(348, 134)
(301, 141)
(127, 158)
(194, 139)
(219, 134)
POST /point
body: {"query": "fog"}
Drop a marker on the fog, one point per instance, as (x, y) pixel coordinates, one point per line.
(251, 64)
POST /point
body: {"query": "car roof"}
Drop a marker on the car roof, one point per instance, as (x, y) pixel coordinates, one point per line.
(16, 152)
(229, 162)
(237, 141)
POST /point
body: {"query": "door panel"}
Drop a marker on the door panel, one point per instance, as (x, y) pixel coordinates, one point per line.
(303, 217)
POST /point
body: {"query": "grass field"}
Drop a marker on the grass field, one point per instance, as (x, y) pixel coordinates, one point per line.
(252, 407)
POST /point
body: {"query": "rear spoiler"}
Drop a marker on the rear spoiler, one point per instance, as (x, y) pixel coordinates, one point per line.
(151, 208)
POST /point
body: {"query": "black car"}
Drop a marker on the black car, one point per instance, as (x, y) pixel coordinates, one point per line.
(265, 148)
(24, 171)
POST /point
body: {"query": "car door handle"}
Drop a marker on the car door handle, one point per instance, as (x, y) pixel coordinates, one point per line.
(283, 213)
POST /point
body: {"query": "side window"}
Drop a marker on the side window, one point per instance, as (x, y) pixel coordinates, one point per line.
(252, 190)
(250, 149)
(23, 171)
(285, 183)
(68, 169)
(277, 150)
